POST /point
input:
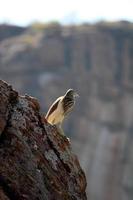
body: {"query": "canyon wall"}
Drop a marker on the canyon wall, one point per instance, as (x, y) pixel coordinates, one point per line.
(97, 61)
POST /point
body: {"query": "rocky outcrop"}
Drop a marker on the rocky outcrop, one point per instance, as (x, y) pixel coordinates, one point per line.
(36, 161)
(9, 31)
(97, 61)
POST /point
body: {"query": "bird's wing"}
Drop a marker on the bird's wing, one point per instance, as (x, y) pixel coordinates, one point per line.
(53, 107)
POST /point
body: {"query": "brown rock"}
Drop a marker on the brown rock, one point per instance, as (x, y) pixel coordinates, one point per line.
(37, 162)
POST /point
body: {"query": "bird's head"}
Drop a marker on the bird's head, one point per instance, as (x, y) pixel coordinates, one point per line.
(71, 94)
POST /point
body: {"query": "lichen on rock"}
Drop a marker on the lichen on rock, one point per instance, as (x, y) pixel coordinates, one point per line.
(37, 162)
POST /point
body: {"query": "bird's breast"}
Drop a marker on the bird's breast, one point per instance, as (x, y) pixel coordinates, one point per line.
(68, 104)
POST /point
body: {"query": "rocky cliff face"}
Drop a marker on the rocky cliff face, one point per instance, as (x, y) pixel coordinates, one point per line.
(36, 161)
(97, 61)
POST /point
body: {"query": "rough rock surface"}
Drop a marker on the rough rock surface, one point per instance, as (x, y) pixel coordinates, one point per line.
(36, 162)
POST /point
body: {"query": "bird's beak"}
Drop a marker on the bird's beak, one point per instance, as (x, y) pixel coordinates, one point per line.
(76, 94)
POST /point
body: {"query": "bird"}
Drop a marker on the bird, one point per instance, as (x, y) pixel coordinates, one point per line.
(61, 107)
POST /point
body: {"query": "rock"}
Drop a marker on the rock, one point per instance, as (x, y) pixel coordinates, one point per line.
(9, 31)
(37, 162)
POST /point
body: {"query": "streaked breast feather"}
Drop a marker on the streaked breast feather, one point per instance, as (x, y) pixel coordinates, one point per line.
(68, 104)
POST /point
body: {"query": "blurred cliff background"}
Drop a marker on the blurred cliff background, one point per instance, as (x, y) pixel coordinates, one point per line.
(45, 59)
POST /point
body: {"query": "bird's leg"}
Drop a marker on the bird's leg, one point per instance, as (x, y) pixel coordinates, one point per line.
(60, 129)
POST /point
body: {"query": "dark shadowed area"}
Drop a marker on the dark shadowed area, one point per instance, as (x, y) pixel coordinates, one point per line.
(44, 60)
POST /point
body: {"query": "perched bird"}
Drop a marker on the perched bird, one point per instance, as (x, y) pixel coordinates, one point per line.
(61, 107)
